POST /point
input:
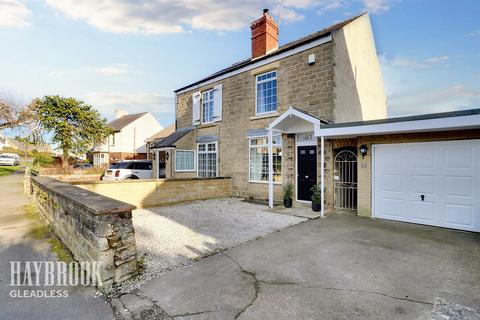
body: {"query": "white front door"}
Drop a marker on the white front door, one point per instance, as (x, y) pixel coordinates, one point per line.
(433, 183)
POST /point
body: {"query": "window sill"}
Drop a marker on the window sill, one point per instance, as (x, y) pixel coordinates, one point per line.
(207, 125)
(265, 115)
(264, 182)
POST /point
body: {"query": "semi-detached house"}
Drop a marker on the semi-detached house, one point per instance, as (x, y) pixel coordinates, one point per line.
(313, 111)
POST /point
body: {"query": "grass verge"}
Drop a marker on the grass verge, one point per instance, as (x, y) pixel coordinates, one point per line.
(40, 230)
(4, 171)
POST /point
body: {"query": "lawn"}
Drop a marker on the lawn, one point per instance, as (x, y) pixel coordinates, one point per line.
(7, 170)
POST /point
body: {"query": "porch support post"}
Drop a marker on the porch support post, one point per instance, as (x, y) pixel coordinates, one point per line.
(322, 173)
(270, 167)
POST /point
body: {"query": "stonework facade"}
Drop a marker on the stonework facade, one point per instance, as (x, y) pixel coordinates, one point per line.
(311, 87)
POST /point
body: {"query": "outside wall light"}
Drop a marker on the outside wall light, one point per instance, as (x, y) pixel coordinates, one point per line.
(363, 150)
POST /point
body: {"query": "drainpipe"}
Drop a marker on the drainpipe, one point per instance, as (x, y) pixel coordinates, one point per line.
(322, 173)
(270, 167)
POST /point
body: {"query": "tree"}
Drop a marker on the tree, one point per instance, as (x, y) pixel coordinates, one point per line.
(74, 125)
(13, 115)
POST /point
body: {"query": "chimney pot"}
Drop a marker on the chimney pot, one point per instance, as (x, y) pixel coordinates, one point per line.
(264, 35)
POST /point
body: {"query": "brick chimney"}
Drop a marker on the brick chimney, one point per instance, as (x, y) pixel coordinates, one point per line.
(264, 35)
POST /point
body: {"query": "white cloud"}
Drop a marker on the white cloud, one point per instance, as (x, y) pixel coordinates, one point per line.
(14, 13)
(166, 16)
(475, 33)
(111, 70)
(159, 104)
(410, 63)
(376, 6)
(452, 98)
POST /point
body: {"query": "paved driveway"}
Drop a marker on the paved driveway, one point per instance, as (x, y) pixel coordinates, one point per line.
(341, 267)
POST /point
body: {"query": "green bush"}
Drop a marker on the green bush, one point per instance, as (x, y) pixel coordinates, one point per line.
(287, 191)
(42, 159)
(317, 193)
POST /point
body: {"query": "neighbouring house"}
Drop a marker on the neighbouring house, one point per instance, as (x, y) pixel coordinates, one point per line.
(313, 111)
(128, 140)
(21, 146)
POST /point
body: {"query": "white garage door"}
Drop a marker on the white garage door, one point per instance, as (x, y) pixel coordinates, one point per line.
(433, 183)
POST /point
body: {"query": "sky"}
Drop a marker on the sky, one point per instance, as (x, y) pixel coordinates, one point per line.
(132, 55)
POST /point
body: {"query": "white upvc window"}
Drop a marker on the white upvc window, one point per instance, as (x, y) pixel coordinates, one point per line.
(208, 106)
(266, 92)
(207, 160)
(258, 159)
(184, 160)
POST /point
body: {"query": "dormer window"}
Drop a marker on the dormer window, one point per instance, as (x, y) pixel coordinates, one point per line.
(266, 92)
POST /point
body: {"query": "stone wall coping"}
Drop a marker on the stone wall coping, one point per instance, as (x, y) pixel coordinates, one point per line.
(146, 180)
(91, 201)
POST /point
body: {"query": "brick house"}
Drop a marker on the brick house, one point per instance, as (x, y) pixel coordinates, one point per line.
(313, 111)
(128, 140)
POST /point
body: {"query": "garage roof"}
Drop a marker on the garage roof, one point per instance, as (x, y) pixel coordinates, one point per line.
(454, 120)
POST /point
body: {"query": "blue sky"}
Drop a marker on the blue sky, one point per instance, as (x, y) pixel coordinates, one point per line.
(133, 54)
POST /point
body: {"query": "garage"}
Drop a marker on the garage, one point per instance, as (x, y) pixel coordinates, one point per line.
(432, 183)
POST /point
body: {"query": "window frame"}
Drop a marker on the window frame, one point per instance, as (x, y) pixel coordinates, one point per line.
(266, 145)
(212, 91)
(194, 161)
(256, 92)
(206, 151)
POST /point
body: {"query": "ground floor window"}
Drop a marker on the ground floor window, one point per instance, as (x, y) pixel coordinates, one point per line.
(207, 160)
(184, 160)
(258, 166)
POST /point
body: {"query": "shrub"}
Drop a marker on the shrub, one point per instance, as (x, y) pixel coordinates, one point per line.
(42, 159)
(317, 193)
(287, 191)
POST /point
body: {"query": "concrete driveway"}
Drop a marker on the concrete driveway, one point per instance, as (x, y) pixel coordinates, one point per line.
(341, 267)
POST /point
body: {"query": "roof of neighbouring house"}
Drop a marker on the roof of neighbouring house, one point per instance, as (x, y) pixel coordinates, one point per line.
(291, 45)
(428, 116)
(171, 139)
(165, 132)
(122, 122)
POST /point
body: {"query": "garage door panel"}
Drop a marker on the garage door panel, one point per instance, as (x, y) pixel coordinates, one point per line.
(446, 173)
(421, 157)
(422, 184)
(458, 186)
(422, 211)
(458, 157)
(458, 215)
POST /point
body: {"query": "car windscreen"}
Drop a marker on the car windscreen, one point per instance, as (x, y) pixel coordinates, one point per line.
(120, 165)
(7, 156)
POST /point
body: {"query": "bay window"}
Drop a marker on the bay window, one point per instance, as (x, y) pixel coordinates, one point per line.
(258, 162)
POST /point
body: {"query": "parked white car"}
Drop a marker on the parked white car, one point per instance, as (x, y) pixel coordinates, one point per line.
(129, 169)
(9, 159)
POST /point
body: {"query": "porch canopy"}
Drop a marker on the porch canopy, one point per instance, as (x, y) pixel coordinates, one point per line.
(293, 121)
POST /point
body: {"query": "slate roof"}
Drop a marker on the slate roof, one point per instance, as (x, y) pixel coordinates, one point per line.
(428, 116)
(171, 139)
(165, 132)
(291, 45)
(122, 122)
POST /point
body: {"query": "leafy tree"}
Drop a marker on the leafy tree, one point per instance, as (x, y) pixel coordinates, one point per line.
(74, 125)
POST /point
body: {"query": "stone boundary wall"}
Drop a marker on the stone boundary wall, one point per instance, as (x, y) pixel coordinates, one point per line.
(93, 227)
(154, 193)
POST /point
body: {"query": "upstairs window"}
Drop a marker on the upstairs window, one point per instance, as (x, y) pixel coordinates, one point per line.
(266, 92)
(208, 103)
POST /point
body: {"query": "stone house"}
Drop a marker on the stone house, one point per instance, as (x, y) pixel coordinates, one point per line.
(313, 112)
(128, 140)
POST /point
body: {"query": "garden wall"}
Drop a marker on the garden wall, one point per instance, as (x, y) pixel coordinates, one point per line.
(153, 193)
(93, 227)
